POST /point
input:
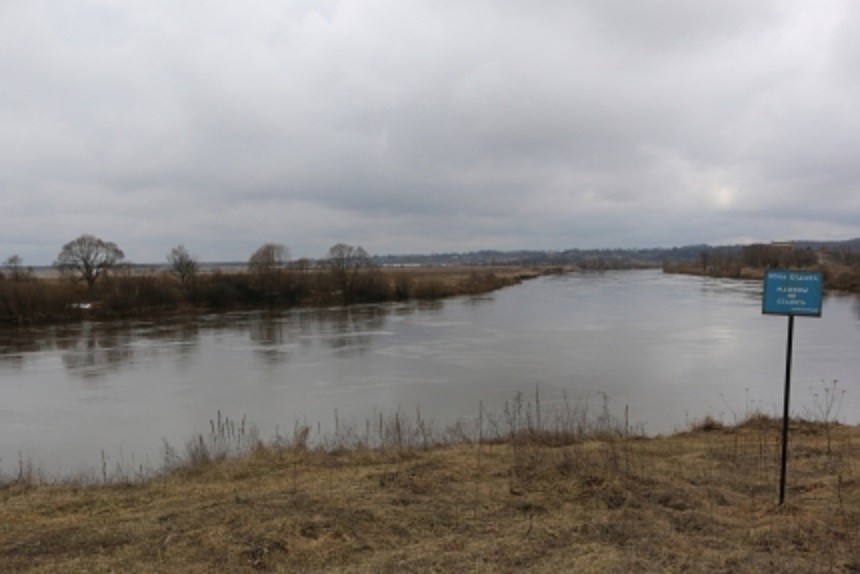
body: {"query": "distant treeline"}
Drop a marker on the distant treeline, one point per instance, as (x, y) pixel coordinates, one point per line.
(597, 259)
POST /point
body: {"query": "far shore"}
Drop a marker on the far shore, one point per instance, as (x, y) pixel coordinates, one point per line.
(46, 296)
(836, 277)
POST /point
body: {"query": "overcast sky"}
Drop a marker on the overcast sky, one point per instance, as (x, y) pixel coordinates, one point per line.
(425, 126)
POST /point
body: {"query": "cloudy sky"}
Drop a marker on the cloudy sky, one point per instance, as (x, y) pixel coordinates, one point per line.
(425, 126)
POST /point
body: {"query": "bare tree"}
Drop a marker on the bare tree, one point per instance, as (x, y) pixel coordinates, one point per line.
(15, 269)
(269, 258)
(345, 262)
(182, 264)
(89, 257)
(266, 265)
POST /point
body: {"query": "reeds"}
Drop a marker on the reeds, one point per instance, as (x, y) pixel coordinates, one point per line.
(128, 293)
(226, 438)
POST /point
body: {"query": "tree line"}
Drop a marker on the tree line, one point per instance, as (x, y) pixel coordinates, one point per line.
(96, 281)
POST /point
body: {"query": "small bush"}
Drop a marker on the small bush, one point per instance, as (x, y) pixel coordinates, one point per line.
(25, 302)
(403, 284)
(372, 287)
(215, 291)
(707, 424)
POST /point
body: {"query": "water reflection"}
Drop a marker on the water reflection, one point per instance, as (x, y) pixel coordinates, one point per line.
(432, 306)
(96, 350)
(478, 300)
(12, 351)
(271, 333)
(749, 290)
(186, 335)
(349, 331)
(16, 344)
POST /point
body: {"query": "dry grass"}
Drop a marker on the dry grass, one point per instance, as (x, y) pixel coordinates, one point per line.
(703, 501)
(438, 282)
(52, 299)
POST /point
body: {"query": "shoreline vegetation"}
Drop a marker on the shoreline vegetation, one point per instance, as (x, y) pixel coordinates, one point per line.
(840, 269)
(125, 293)
(527, 489)
(90, 279)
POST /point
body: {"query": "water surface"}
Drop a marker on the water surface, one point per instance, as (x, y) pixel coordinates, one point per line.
(670, 348)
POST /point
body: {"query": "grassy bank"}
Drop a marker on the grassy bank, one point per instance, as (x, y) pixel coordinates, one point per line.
(30, 299)
(527, 496)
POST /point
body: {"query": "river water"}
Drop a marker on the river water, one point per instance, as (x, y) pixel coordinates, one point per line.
(668, 348)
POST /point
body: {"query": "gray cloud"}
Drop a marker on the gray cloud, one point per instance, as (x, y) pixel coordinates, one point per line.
(425, 126)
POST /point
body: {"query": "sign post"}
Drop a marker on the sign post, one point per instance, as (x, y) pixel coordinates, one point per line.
(791, 293)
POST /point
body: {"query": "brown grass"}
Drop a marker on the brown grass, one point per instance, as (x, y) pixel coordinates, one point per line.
(701, 501)
(131, 293)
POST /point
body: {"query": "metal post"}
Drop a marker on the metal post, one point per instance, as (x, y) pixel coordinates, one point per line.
(785, 410)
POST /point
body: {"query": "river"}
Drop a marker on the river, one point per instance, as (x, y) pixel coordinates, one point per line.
(666, 348)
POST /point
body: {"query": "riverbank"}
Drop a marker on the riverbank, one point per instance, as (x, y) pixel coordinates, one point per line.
(843, 278)
(35, 300)
(540, 501)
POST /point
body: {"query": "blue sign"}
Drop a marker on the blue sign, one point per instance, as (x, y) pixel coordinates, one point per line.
(789, 292)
